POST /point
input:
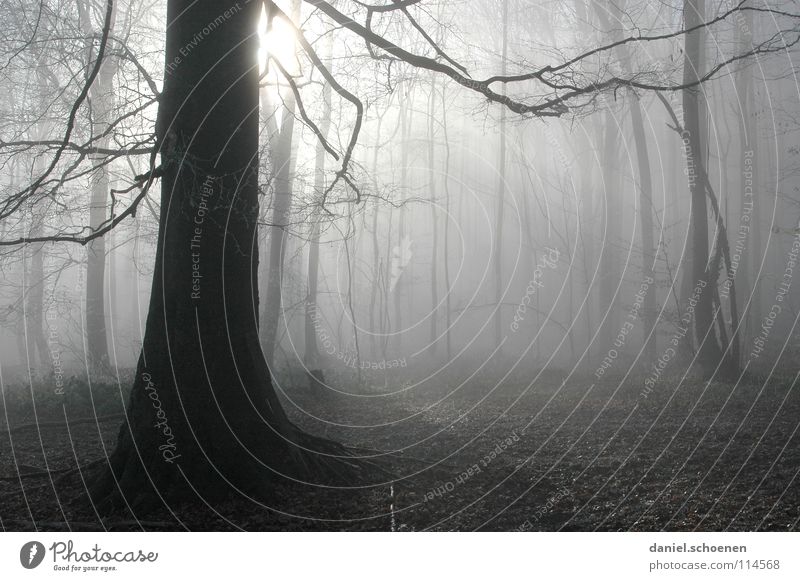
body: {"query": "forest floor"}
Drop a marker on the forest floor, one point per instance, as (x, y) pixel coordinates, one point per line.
(530, 454)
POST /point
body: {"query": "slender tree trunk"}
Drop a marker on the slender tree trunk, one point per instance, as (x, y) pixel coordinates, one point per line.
(609, 264)
(396, 259)
(351, 296)
(16, 310)
(587, 234)
(279, 225)
(311, 354)
(570, 274)
(501, 198)
(708, 348)
(750, 237)
(102, 99)
(33, 288)
(34, 308)
(529, 227)
(649, 309)
(645, 189)
(448, 297)
(282, 178)
(378, 281)
(434, 223)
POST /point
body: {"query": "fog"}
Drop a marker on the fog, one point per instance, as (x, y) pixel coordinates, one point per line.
(478, 239)
(621, 204)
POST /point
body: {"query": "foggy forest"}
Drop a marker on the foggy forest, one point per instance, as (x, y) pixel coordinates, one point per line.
(399, 265)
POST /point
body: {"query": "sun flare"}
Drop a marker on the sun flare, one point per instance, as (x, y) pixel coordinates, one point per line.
(278, 42)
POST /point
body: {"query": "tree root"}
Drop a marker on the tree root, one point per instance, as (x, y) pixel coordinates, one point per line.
(320, 457)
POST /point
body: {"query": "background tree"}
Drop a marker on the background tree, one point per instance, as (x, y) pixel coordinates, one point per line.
(218, 421)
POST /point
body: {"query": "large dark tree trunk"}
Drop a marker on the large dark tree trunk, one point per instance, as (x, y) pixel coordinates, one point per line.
(203, 417)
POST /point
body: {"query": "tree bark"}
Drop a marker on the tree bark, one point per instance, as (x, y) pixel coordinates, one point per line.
(434, 222)
(102, 101)
(282, 178)
(37, 351)
(709, 352)
(609, 264)
(396, 258)
(649, 310)
(203, 418)
(311, 354)
(748, 180)
(448, 297)
(497, 259)
(36, 343)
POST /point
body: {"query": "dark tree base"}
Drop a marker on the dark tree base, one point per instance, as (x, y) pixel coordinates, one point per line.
(125, 483)
(213, 439)
(639, 474)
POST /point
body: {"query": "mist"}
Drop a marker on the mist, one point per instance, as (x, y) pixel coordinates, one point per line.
(555, 241)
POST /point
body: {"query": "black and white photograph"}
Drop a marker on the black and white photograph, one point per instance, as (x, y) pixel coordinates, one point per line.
(513, 266)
